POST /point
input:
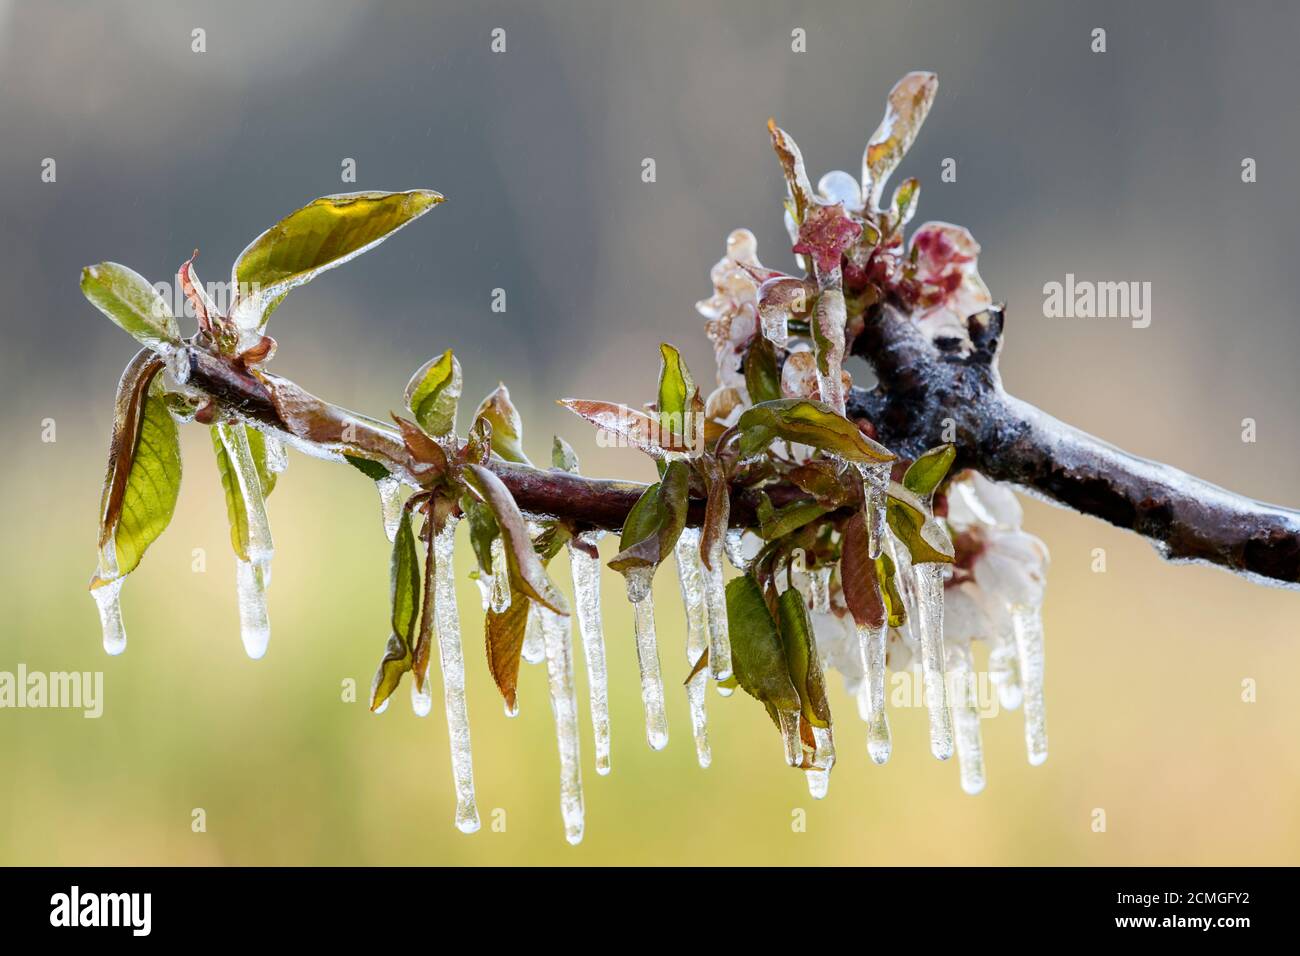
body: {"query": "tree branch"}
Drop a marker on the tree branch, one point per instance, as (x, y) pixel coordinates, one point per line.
(926, 386)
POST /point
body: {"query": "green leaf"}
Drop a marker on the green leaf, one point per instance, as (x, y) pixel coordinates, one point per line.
(717, 511)
(858, 574)
(885, 574)
(404, 586)
(906, 198)
(676, 392)
(762, 380)
(235, 509)
(810, 423)
(777, 522)
(371, 469)
(507, 426)
(527, 574)
(325, 233)
(504, 634)
(563, 456)
(822, 480)
(925, 474)
(483, 530)
(131, 302)
(805, 667)
(433, 394)
(655, 522)
(912, 524)
(757, 654)
(909, 104)
(143, 479)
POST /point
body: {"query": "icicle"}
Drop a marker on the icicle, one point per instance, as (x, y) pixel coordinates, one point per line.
(586, 592)
(872, 692)
(819, 589)
(500, 577)
(484, 581)
(929, 605)
(819, 777)
(534, 651)
(715, 599)
(875, 485)
(789, 723)
(564, 705)
(1004, 672)
(390, 504)
(110, 616)
(1028, 623)
(690, 574)
(831, 313)
(252, 580)
(735, 548)
(422, 698)
(647, 654)
(277, 462)
(453, 676)
(966, 717)
(253, 576)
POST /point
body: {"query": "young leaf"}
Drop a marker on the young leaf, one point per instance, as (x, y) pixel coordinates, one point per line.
(131, 302)
(144, 471)
(563, 456)
(805, 667)
(504, 634)
(433, 393)
(777, 522)
(858, 574)
(676, 392)
(908, 518)
(423, 449)
(762, 380)
(636, 428)
(404, 581)
(483, 530)
(821, 479)
(526, 571)
(757, 654)
(796, 177)
(655, 522)
(717, 510)
(507, 426)
(885, 574)
(810, 423)
(325, 233)
(909, 103)
(235, 509)
(371, 469)
(925, 474)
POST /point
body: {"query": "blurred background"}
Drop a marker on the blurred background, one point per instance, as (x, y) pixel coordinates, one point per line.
(1117, 166)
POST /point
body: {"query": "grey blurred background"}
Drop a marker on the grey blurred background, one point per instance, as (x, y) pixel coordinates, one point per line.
(1117, 166)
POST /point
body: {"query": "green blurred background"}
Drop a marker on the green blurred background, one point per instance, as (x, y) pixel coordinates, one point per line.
(1115, 166)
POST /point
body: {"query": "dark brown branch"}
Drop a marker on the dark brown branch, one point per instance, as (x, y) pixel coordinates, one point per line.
(926, 388)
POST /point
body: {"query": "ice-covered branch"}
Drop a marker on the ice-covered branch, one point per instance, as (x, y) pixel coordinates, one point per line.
(949, 391)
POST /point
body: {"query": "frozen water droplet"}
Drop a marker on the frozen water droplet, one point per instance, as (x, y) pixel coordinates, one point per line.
(742, 245)
(734, 543)
(390, 504)
(789, 723)
(252, 578)
(690, 574)
(382, 707)
(564, 705)
(586, 592)
(647, 654)
(107, 599)
(453, 676)
(1028, 623)
(775, 322)
(837, 186)
(819, 777)
(422, 698)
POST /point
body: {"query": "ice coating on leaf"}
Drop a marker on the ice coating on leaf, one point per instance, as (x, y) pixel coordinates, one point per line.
(107, 599)
(871, 693)
(500, 577)
(534, 650)
(390, 504)
(690, 575)
(1028, 623)
(564, 705)
(837, 186)
(252, 578)
(453, 676)
(966, 717)
(788, 721)
(909, 103)
(277, 461)
(586, 593)
(647, 655)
